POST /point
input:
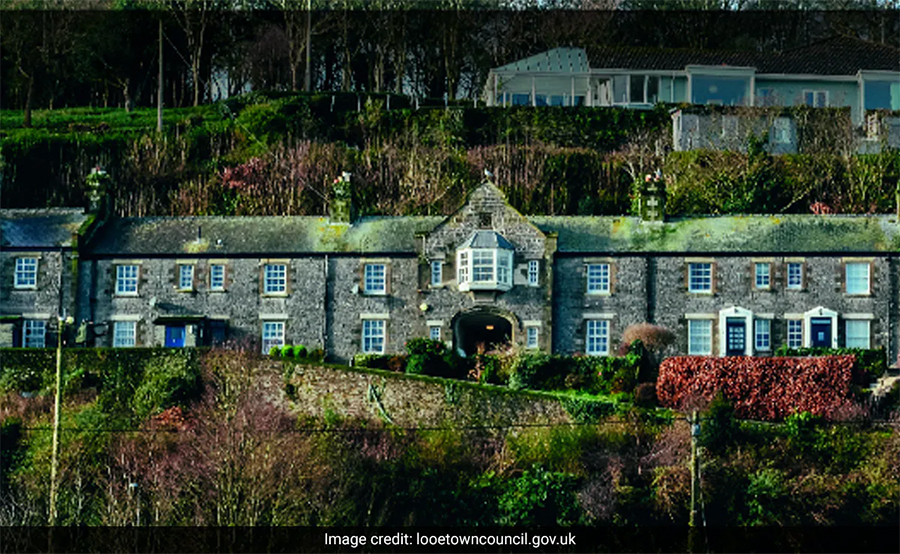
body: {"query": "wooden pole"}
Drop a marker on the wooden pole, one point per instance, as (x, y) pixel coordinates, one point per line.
(159, 87)
(54, 463)
(695, 467)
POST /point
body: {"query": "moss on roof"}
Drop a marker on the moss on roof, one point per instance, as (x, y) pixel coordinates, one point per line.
(40, 228)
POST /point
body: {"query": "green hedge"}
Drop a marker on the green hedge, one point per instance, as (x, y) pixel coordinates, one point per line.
(588, 374)
(136, 382)
(870, 363)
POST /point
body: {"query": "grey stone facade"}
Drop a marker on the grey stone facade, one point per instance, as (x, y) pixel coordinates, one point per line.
(567, 285)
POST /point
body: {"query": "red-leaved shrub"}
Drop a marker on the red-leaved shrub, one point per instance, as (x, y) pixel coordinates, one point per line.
(760, 388)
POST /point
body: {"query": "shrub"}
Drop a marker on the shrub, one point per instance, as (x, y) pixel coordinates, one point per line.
(429, 357)
(371, 361)
(760, 388)
(654, 337)
(299, 351)
(870, 363)
(275, 351)
(719, 429)
(645, 395)
(540, 497)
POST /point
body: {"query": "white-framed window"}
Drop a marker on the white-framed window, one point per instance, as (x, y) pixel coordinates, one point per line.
(781, 130)
(34, 333)
(700, 277)
(597, 337)
(436, 273)
(856, 333)
(124, 334)
(795, 333)
(763, 334)
(794, 276)
(275, 279)
(598, 279)
(373, 336)
(126, 279)
(185, 277)
(857, 277)
(217, 277)
(25, 276)
(815, 98)
(700, 337)
(272, 335)
(484, 268)
(763, 276)
(434, 332)
(534, 267)
(374, 279)
(532, 334)
(462, 267)
(635, 89)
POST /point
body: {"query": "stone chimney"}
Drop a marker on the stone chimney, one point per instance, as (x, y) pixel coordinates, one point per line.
(342, 209)
(653, 199)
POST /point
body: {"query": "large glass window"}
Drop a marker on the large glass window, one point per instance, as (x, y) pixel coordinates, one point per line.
(533, 272)
(25, 276)
(126, 279)
(272, 335)
(436, 269)
(878, 95)
(484, 268)
(275, 279)
(531, 339)
(815, 98)
(462, 269)
(124, 334)
(856, 333)
(699, 337)
(857, 274)
(434, 332)
(598, 279)
(34, 333)
(700, 277)
(721, 91)
(635, 89)
(597, 343)
(763, 276)
(795, 276)
(373, 336)
(375, 282)
(186, 277)
(217, 277)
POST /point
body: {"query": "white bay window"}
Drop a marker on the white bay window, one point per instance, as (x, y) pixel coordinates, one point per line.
(484, 262)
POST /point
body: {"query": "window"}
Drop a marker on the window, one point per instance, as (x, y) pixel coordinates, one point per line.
(815, 98)
(763, 334)
(794, 276)
(436, 278)
(33, 334)
(185, 277)
(720, 91)
(856, 333)
(373, 336)
(781, 130)
(462, 269)
(504, 271)
(434, 332)
(766, 97)
(533, 272)
(482, 266)
(635, 89)
(275, 279)
(217, 277)
(521, 99)
(877, 95)
(124, 334)
(25, 276)
(127, 279)
(272, 335)
(374, 279)
(857, 274)
(597, 343)
(598, 279)
(763, 276)
(795, 333)
(699, 337)
(531, 337)
(700, 277)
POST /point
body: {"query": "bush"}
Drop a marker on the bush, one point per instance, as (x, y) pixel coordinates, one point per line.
(275, 351)
(299, 351)
(540, 498)
(430, 357)
(655, 338)
(645, 395)
(760, 388)
(719, 429)
(371, 361)
(870, 363)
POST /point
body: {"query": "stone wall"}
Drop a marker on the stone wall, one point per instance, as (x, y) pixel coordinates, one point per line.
(409, 401)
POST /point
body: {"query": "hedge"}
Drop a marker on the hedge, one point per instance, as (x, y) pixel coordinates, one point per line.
(129, 381)
(759, 388)
(870, 363)
(588, 374)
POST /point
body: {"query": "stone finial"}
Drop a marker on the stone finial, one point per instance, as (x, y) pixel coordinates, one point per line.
(653, 198)
(342, 209)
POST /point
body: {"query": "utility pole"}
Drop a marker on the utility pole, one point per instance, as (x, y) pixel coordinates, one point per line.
(54, 463)
(695, 469)
(159, 88)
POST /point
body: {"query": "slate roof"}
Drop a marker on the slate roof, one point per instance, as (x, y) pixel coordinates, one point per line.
(486, 239)
(776, 234)
(808, 234)
(839, 55)
(258, 235)
(48, 228)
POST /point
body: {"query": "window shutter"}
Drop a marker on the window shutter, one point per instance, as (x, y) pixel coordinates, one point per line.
(804, 276)
(262, 277)
(612, 278)
(387, 278)
(142, 278)
(228, 277)
(713, 278)
(361, 283)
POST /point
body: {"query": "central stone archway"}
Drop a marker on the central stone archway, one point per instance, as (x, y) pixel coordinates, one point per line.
(486, 328)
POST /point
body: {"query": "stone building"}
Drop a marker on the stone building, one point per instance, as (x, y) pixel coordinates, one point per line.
(482, 276)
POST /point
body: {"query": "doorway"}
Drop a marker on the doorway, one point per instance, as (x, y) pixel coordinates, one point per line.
(481, 332)
(735, 336)
(175, 336)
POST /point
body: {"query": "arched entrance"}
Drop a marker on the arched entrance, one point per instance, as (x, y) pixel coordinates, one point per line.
(479, 329)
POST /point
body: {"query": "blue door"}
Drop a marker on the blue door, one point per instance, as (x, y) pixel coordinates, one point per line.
(174, 336)
(820, 332)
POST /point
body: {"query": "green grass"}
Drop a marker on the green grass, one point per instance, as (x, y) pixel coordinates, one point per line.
(68, 120)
